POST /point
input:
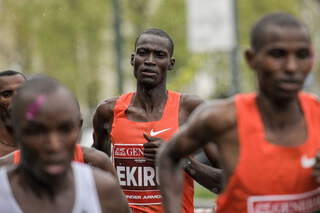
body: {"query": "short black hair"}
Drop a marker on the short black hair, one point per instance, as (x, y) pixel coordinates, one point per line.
(157, 32)
(12, 72)
(279, 19)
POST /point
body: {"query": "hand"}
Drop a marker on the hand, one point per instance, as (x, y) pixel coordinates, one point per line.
(316, 168)
(151, 148)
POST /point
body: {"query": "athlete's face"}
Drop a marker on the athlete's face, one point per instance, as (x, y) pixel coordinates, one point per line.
(8, 87)
(151, 60)
(283, 62)
(48, 131)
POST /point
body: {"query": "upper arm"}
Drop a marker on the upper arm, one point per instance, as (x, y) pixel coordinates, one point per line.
(102, 124)
(188, 103)
(112, 199)
(98, 159)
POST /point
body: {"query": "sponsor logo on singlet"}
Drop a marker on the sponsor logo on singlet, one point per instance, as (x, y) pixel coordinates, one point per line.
(137, 177)
(307, 162)
(294, 203)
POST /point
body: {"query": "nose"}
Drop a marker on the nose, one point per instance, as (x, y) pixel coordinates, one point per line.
(54, 143)
(150, 59)
(291, 63)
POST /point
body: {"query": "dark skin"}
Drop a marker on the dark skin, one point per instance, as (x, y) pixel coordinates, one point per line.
(8, 87)
(286, 54)
(91, 156)
(47, 140)
(151, 61)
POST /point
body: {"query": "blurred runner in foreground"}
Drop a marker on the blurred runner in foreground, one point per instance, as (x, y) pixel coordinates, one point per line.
(267, 140)
(46, 179)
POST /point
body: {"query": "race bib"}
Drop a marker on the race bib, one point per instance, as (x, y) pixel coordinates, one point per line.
(137, 177)
(297, 203)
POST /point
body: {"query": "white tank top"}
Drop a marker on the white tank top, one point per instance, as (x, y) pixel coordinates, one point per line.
(86, 197)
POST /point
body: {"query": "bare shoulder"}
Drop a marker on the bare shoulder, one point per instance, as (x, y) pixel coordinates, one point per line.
(98, 159)
(106, 107)
(110, 194)
(218, 115)
(6, 160)
(189, 102)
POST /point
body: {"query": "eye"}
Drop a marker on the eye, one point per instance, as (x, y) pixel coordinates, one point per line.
(277, 53)
(303, 53)
(141, 52)
(33, 130)
(161, 54)
(66, 128)
(7, 93)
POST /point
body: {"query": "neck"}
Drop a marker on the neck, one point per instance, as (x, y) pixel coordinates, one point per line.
(46, 186)
(150, 98)
(278, 113)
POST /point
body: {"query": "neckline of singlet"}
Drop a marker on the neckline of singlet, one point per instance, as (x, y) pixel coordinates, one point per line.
(14, 201)
(164, 113)
(306, 114)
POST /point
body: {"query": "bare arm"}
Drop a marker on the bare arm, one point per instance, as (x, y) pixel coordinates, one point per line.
(102, 124)
(208, 176)
(98, 159)
(206, 124)
(112, 199)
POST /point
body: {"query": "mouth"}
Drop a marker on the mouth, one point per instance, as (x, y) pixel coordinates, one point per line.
(290, 84)
(148, 72)
(55, 167)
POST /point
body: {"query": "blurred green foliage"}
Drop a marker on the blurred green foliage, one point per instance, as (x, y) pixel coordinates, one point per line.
(72, 40)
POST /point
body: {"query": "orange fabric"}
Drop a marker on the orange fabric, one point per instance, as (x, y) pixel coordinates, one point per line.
(269, 177)
(78, 155)
(137, 177)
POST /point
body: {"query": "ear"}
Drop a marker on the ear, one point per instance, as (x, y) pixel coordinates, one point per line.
(172, 62)
(132, 59)
(250, 58)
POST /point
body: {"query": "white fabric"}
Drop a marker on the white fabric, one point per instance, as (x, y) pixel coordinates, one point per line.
(86, 197)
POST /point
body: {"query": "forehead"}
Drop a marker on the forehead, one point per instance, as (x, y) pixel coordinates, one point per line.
(11, 82)
(50, 108)
(153, 42)
(286, 36)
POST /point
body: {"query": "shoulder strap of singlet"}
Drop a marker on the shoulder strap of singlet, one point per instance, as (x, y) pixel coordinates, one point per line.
(172, 106)
(122, 103)
(8, 202)
(78, 154)
(87, 199)
(16, 157)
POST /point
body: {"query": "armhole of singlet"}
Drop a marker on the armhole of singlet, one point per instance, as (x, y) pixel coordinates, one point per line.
(78, 154)
(232, 179)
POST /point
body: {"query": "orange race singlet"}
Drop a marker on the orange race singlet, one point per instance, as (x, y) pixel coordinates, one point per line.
(137, 177)
(272, 178)
(78, 155)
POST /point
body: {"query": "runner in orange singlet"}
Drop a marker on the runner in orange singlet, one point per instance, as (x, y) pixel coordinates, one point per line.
(134, 122)
(268, 140)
